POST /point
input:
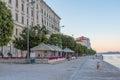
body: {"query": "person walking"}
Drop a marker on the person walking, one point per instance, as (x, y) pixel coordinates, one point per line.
(32, 57)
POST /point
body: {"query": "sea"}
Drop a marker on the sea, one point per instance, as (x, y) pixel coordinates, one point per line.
(113, 59)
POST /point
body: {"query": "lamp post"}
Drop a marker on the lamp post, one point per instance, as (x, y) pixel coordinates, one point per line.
(28, 47)
(61, 36)
(61, 40)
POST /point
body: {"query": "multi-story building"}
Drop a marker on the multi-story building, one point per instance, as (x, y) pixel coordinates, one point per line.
(84, 41)
(25, 13)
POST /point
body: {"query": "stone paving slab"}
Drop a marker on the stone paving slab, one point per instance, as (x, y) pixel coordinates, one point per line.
(83, 68)
(88, 71)
(61, 71)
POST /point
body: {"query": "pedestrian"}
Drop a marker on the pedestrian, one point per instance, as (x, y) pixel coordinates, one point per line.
(32, 57)
(98, 65)
(9, 54)
(1, 54)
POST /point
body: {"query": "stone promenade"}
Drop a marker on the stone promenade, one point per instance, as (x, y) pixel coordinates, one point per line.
(89, 71)
(83, 68)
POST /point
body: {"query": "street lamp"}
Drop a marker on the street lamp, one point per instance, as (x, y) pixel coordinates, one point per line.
(61, 36)
(28, 49)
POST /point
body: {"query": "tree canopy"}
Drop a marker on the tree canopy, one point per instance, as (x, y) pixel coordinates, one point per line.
(36, 36)
(6, 24)
(55, 39)
(69, 42)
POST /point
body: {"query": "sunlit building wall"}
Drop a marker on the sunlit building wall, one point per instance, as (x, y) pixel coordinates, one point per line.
(26, 14)
(84, 41)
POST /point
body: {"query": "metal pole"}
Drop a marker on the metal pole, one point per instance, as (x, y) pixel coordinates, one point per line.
(61, 36)
(61, 40)
(28, 54)
(28, 47)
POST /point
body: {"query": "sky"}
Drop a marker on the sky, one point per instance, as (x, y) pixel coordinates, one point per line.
(99, 20)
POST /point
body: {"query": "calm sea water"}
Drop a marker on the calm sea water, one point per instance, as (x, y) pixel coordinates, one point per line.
(113, 59)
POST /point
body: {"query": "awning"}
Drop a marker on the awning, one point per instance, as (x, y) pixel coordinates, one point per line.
(43, 47)
(56, 48)
(67, 50)
(47, 47)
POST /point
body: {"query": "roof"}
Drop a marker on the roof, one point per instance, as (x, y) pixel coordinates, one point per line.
(44, 3)
(43, 47)
(46, 47)
(56, 48)
(67, 50)
(82, 38)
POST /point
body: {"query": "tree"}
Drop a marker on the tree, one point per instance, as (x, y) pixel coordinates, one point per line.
(55, 39)
(83, 50)
(62, 41)
(71, 42)
(36, 36)
(6, 24)
(91, 52)
(68, 41)
(78, 49)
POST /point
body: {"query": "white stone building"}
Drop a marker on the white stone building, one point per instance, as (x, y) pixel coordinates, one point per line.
(84, 41)
(25, 14)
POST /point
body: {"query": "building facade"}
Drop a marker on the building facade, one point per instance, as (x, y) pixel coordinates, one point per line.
(25, 14)
(84, 41)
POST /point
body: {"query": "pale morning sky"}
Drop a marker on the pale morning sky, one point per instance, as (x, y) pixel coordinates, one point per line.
(98, 20)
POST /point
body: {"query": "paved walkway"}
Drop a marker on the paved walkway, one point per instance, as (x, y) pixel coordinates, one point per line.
(89, 71)
(83, 68)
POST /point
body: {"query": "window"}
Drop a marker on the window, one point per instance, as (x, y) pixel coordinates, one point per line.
(47, 15)
(17, 3)
(37, 6)
(27, 10)
(31, 23)
(16, 17)
(42, 11)
(42, 20)
(31, 0)
(46, 23)
(22, 20)
(10, 1)
(32, 13)
(58, 30)
(22, 7)
(52, 26)
(27, 22)
(37, 16)
(16, 32)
